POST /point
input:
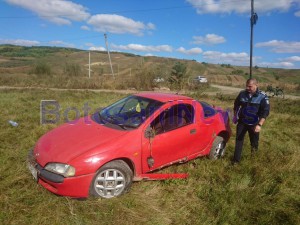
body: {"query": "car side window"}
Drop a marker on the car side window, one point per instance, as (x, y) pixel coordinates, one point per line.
(208, 110)
(173, 118)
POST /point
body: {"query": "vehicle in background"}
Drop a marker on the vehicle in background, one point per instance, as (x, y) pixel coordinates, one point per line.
(200, 79)
(158, 80)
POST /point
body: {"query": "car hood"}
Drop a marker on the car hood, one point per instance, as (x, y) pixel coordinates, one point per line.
(68, 141)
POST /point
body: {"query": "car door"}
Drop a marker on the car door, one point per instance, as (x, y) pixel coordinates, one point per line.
(205, 119)
(175, 137)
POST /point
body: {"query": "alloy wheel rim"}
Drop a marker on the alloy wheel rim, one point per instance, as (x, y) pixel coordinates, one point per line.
(110, 183)
(219, 150)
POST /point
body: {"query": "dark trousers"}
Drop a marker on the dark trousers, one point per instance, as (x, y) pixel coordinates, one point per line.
(241, 130)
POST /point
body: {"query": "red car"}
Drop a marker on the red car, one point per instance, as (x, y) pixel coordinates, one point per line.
(103, 153)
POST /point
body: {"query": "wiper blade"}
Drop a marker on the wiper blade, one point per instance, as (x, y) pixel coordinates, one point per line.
(113, 120)
(107, 119)
(125, 126)
(102, 119)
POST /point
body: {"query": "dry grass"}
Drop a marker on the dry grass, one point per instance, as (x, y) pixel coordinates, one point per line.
(17, 68)
(261, 190)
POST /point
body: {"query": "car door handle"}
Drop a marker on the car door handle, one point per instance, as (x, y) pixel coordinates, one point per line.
(193, 131)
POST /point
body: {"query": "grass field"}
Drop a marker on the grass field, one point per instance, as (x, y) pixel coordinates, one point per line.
(264, 189)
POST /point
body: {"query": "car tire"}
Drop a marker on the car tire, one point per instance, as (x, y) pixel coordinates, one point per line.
(112, 180)
(218, 148)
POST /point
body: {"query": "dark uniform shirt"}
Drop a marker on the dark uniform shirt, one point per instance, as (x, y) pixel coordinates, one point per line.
(251, 108)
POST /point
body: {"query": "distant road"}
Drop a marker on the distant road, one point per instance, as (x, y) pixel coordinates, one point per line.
(235, 90)
(227, 89)
(69, 89)
(224, 89)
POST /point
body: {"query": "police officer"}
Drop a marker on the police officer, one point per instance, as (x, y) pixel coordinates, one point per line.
(251, 108)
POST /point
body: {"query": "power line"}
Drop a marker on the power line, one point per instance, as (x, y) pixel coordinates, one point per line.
(122, 11)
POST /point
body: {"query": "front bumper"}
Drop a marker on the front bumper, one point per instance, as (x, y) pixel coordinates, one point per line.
(77, 186)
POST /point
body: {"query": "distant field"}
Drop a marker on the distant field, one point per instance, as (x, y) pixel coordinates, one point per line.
(68, 68)
(264, 189)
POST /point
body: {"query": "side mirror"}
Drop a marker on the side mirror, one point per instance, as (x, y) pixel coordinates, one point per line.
(149, 133)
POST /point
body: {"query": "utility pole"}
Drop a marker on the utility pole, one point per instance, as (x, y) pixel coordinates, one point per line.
(253, 20)
(89, 64)
(112, 72)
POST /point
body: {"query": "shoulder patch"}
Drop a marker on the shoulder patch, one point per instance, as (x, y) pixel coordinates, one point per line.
(265, 95)
(262, 92)
(243, 93)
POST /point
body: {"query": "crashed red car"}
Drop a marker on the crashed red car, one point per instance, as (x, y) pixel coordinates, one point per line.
(103, 153)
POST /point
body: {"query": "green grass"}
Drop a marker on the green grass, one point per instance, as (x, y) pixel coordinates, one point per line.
(264, 189)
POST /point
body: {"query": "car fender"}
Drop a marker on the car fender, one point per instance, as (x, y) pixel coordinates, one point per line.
(93, 160)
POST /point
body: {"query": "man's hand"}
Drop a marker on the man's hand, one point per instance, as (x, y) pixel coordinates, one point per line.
(257, 128)
(234, 119)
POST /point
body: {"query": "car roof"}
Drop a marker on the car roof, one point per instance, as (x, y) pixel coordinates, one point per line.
(163, 97)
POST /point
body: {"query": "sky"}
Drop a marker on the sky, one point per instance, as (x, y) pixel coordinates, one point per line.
(211, 31)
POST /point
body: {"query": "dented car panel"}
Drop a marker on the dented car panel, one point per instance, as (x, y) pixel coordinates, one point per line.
(124, 142)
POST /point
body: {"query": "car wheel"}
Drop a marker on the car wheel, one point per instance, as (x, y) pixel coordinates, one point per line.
(218, 148)
(112, 180)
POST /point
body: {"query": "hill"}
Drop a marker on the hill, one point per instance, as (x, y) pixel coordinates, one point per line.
(68, 68)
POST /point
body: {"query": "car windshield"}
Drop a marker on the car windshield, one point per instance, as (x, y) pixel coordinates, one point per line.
(129, 112)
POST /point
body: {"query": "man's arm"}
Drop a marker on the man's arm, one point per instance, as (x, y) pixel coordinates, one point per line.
(236, 107)
(264, 112)
(236, 104)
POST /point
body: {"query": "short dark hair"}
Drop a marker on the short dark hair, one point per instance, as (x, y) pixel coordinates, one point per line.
(251, 80)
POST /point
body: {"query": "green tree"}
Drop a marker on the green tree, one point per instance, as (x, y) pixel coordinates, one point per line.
(177, 74)
(178, 71)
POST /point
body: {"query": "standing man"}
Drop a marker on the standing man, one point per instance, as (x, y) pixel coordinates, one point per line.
(251, 108)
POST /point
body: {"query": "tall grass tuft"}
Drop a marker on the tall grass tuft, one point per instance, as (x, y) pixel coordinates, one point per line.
(41, 69)
(72, 69)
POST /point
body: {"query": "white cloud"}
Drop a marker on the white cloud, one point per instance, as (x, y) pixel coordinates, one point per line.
(293, 59)
(100, 48)
(280, 46)
(242, 59)
(143, 48)
(84, 28)
(92, 47)
(209, 39)
(61, 43)
(234, 58)
(151, 26)
(276, 65)
(118, 24)
(21, 42)
(60, 12)
(89, 44)
(225, 6)
(192, 51)
(297, 14)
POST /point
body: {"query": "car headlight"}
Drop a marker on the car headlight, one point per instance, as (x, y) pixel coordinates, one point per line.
(60, 168)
